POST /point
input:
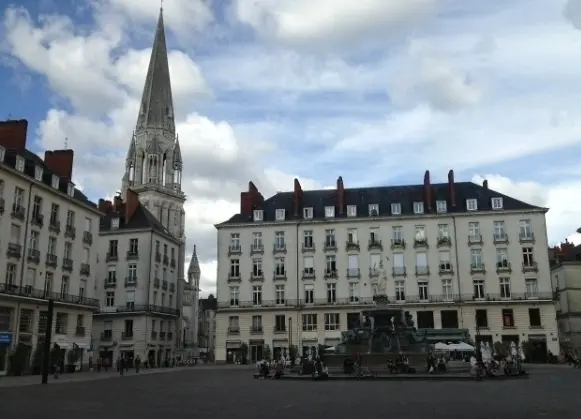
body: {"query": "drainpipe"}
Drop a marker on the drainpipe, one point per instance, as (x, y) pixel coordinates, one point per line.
(457, 269)
(297, 268)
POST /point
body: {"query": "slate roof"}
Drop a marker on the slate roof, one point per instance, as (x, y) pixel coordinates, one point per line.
(142, 219)
(209, 303)
(31, 160)
(384, 196)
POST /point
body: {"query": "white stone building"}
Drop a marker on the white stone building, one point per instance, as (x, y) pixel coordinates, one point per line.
(207, 327)
(137, 284)
(190, 307)
(153, 175)
(48, 249)
(297, 268)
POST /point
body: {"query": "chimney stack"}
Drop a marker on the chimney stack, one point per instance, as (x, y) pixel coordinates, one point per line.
(485, 184)
(451, 189)
(427, 192)
(250, 200)
(117, 203)
(297, 198)
(13, 134)
(340, 196)
(131, 204)
(60, 162)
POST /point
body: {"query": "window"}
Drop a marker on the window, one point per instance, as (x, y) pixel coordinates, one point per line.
(308, 213)
(133, 246)
(82, 287)
(476, 259)
(399, 291)
(397, 234)
(374, 237)
(257, 295)
(42, 322)
(396, 208)
(234, 296)
(18, 197)
(423, 291)
(418, 207)
(279, 243)
(257, 267)
(110, 298)
(308, 265)
(112, 248)
(309, 292)
(532, 288)
(280, 215)
(70, 189)
(15, 234)
(279, 269)
(234, 241)
(54, 214)
(309, 322)
(449, 319)
(421, 260)
(128, 328)
(353, 292)
(443, 231)
(280, 323)
(258, 215)
(68, 250)
(115, 223)
(507, 317)
(398, 260)
(535, 317)
(26, 317)
(351, 210)
(420, 234)
(2, 155)
(29, 280)
(445, 264)
(234, 268)
(329, 212)
(482, 318)
(37, 206)
(52, 246)
(332, 321)
(19, 164)
(441, 206)
(373, 210)
(130, 300)
(527, 257)
(496, 203)
(308, 239)
(478, 288)
(330, 264)
(48, 277)
(11, 274)
(352, 236)
(504, 287)
(474, 231)
(330, 238)
(70, 219)
(447, 292)
(64, 286)
(257, 241)
(55, 181)
(499, 230)
(471, 204)
(61, 323)
(86, 255)
(502, 258)
(525, 230)
(34, 239)
(374, 262)
(279, 294)
(331, 293)
(233, 324)
(132, 272)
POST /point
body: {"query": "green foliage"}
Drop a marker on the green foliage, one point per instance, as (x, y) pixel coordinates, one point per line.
(244, 352)
(502, 348)
(267, 353)
(293, 351)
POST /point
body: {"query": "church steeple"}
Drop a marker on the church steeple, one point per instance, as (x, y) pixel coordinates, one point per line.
(156, 110)
(194, 271)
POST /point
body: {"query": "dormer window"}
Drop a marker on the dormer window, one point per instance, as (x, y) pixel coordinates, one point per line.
(374, 210)
(258, 215)
(441, 206)
(280, 215)
(38, 173)
(19, 164)
(308, 213)
(351, 210)
(496, 203)
(55, 181)
(115, 223)
(396, 208)
(2, 154)
(471, 204)
(329, 212)
(418, 207)
(70, 190)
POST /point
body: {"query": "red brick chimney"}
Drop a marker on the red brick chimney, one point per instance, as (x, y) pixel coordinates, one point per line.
(250, 200)
(60, 162)
(427, 192)
(105, 206)
(131, 204)
(117, 203)
(340, 196)
(485, 184)
(451, 189)
(13, 134)
(297, 198)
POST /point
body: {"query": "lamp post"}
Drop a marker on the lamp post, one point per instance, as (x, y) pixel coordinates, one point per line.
(478, 353)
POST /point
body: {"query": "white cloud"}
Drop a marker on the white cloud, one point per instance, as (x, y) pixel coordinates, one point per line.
(572, 12)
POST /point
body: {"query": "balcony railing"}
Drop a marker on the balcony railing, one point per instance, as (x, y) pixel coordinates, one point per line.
(233, 330)
(418, 243)
(256, 330)
(37, 219)
(85, 269)
(126, 335)
(70, 232)
(309, 274)
(110, 283)
(330, 245)
(398, 271)
(234, 303)
(234, 250)
(112, 257)
(80, 331)
(352, 245)
(500, 238)
(353, 273)
(526, 237)
(374, 244)
(106, 337)
(330, 273)
(140, 308)
(308, 247)
(444, 241)
(18, 212)
(172, 263)
(279, 274)
(475, 239)
(33, 255)
(234, 277)
(257, 276)
(503, 266)
(132, 255)
(54, 226)
(278, 330)
(477, 268)
(130, 281)
(530, 267)
(397, 244)
(67, 264)
(256, 249)
(514, 296)
(14, 250)
(279, 248)
(51, 260)
(87, 237)
(165, 260)
(40, 294)
(422, 270)
(164, 284)
(374, 272)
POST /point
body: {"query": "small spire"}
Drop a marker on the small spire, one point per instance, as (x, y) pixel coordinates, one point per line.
(66, 143)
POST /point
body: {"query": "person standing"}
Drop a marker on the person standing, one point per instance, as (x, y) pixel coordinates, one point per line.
(137, 364)
(121, 365)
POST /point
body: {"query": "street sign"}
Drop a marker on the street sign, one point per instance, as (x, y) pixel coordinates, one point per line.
(5, 338)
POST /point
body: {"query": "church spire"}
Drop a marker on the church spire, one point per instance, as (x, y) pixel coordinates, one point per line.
(194, 269)
(156, 111)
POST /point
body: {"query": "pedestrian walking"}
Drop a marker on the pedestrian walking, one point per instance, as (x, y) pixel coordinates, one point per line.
(137, 364)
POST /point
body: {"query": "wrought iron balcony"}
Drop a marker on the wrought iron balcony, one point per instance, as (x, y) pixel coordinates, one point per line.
(70, 231)
(153, 335)
(374, 244)
(397, 244)
(475, 239)
(500, 238)
(444, 241)
(157, 256)
(522, 296)
(14, 250)
(279, 274)
(257, 276)
(130, 281)
(40, 294)
(338, 301)
(418, 243)
(54, 226)
(308, 247)
(110, 283)
(278, 330)
(51, 260)
(526, 237)
(374, 272)
(156, 282)
(268, 304)
(352, 246)
(422, 271)
(256, 249)
(234, 277)
(445, 268)
(165, 260)
(330, 274)
(477, 268)
(112, 257)
(80, 331)
(234, 250)
(353, 273)
(33, 256)
(132, 254)
(161, 335)
(172, 263)
(503, 266)
(530, 267)
(279, 248)
(87, 237)
(139, 308)
(308, 274)
(37, 219)
(172, 287)
(106, 336)
(67, 264)
(256, 330)
(127, 335)
(330, 245)
(164, 285)
(18, 212)
(399, 271)
(85, 269)
(233, 330)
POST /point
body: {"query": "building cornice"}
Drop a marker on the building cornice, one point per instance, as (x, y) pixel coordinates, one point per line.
(140, 231)
(391, 218)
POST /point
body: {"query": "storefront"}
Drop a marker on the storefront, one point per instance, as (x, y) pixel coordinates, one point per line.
(5, 342)
(233, 353)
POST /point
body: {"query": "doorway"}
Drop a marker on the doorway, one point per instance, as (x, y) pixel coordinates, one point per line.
(3, 359)
(256, 352)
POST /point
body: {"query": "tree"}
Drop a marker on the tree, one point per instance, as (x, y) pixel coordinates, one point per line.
(244, 352)
(267, 352)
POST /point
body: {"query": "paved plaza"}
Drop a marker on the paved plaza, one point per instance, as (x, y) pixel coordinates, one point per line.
(221, 392)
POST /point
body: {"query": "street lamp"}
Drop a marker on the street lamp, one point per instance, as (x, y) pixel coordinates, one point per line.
(478, 353)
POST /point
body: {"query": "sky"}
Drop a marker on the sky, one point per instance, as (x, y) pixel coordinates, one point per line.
(375, 91)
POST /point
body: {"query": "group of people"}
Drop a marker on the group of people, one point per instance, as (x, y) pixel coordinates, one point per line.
(264, 369)
(436, 363)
